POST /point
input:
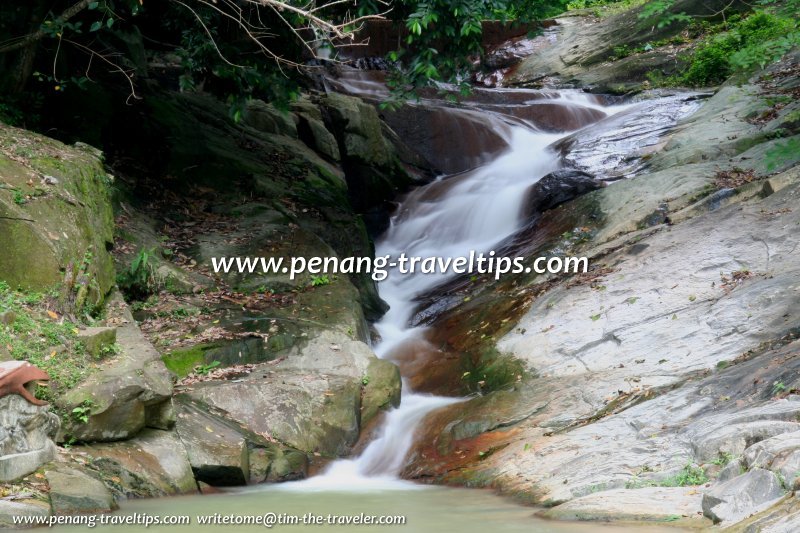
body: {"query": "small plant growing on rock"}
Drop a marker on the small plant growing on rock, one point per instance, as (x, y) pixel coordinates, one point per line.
(83, 411)
(318, 281)
(140, 280)
(690, 475)
(204, 370)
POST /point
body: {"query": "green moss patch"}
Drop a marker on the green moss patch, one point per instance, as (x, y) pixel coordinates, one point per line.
(43, 337)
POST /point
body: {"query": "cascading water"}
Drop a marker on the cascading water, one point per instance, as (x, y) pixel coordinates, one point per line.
(449, 217)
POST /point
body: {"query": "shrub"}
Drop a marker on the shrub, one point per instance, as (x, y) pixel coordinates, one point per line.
(755, 41)
(139, 280)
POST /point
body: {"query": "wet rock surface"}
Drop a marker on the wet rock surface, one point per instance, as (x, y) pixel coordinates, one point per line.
(557, 188)
(669, 368)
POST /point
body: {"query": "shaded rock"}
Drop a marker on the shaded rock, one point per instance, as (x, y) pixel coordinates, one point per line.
(217, 452)
(359, 126)
(273, 465)
(75, 492)
(153, 463)
(26, 431)
(557, 188)
(287, 465)
(650, 504)
(97, 338)
(160, 416)
(313, 132)
(452, 140)
(731, 470)
(742, 496)
(9, 510)
(265, 118)
(372, 167)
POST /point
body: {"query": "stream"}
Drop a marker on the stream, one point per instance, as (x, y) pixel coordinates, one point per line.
(471, 210)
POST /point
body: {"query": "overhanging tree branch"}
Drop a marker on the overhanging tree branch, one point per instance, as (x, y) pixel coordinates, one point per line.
(41, 33)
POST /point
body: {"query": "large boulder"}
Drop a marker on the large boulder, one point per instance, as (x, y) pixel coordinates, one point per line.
(557, 188)
(372, 167)
(74, 491)
(217, 450)
(26, 431)
(648, 504)
(13, 511)
(381, 389)
(222, 452)
(781, 454)
(153, 463)
(742, 496)
(129, 392)
(55, 214)
(316, 400)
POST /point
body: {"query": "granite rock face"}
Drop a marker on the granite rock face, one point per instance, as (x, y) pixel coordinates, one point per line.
(26, 431)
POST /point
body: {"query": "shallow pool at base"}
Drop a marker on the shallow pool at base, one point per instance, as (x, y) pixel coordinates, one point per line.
(426, 510)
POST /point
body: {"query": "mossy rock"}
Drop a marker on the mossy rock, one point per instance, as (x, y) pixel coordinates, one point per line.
(381, 389)
(55, 215)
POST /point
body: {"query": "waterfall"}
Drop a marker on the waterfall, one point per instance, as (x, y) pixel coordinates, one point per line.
(475, 210)
(449, 217)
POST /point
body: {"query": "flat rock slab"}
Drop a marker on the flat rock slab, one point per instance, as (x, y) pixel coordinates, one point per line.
(650, 504)
(95, 339)
(10, 510)
(742, 496)
(75, 492)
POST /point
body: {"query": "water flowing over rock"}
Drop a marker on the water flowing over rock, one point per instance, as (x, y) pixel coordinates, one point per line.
(617, 147)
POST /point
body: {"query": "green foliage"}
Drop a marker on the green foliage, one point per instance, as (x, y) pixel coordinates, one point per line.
(444, 38)
(139, 280)
(723, 459)
(657, 13)
(690, 475)
(83, 412)
(318, 281)
(602, 8)
(755, 41)
(109, 350)
(19, 197)
(204, 370)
